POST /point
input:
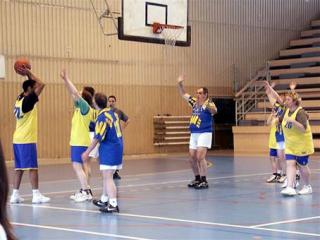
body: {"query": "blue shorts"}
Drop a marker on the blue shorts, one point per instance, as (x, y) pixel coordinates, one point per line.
(302, 160)
(111, 155)
(25, 156)
(273, 152)
(76, 152)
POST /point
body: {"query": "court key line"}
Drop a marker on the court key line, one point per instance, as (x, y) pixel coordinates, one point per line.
(78, 231)
(175, 220)
(286, 221)
(155, 183)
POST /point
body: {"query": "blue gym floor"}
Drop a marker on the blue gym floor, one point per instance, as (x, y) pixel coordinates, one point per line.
(155, 203)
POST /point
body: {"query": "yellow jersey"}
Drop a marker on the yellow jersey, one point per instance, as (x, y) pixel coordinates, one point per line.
(272, 136)
(297, 143)
(80, 127)
(26, 124)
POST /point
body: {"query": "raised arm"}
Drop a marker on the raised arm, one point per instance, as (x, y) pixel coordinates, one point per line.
(181, 90)
(71, 88)
(272, 94)
(39, 86)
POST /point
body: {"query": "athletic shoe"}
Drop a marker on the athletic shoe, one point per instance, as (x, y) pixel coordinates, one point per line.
(82, 196)
(89, 193)
(16, 199)
(39, 198)
(289, 191)
(116, 175)
(99, 203)
(273, 178)
(285, 183)
(307, 189)
(73, 196)
(282, 179)
(109, 209)
(201, 185)
(193, 183)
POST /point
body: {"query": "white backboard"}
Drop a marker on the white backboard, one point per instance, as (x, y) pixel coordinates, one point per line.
(139, 15)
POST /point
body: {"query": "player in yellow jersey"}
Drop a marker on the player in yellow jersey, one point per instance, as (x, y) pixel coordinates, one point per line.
(94, 154)
(80, 139)
(298, 142)
(25, 138)
(276, 141)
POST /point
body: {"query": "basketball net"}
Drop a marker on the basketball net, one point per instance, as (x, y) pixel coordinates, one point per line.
(170, 33)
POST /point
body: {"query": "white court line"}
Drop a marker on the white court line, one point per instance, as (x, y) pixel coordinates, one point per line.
(174, 220)
(159, 183)
(287, 231)
(286, 221)
(78, 231)
(155, 183)
(131, 177)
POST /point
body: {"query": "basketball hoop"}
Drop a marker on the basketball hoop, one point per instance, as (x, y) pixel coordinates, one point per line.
(170, 33)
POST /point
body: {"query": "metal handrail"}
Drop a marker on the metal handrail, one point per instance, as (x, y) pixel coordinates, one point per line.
(248, 97)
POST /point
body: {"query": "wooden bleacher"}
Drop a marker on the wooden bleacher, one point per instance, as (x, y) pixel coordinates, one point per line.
(299, 63)
(171, 130)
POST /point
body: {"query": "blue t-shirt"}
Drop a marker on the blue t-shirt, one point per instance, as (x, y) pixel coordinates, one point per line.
(108, 133)
(201, 119)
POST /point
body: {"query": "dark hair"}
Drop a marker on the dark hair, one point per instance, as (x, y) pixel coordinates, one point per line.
(101, 100)
(28, 83)
(87, 97)
(4, 189)
(205, 91)
(90, 90)
(112, 96)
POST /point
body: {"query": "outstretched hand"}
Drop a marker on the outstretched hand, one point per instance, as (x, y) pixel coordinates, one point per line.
(181, 78)
(293, 85)
(63, 74)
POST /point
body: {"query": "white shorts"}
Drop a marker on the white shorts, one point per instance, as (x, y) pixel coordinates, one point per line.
(107, 167)
(280, 146)
(95, 152)
(200, 140)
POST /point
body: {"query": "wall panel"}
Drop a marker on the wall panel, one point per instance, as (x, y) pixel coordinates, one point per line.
(230, 41)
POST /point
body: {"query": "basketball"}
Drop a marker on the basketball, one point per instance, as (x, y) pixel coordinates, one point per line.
(20, 65)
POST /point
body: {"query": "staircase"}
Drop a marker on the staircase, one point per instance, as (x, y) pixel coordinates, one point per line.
(299, 63)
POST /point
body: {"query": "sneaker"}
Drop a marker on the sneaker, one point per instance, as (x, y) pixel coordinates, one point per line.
(201, 185)
(99, 203)
(39, 198)
(116, 175)
(109, 209)
(89, 193)
(285, 183)
(81, 196)
(16, 199)
(193, 183)
(282, 179)
(273, 178)
(73, 196)
(289, 191)
(307, 189)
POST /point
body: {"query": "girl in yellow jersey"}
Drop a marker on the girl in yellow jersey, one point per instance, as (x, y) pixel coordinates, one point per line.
(80, 139)
(298, 142)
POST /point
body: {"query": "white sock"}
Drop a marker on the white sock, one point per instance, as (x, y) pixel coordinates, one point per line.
(113, 202)
(104, 198)
(15, 192)
(35, 192)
